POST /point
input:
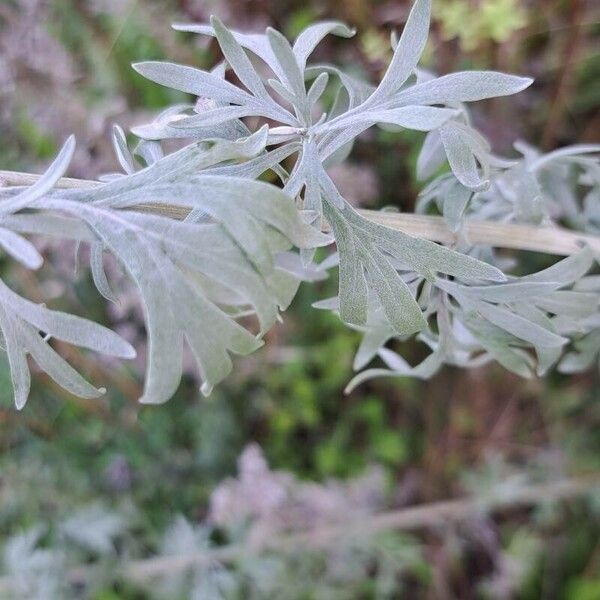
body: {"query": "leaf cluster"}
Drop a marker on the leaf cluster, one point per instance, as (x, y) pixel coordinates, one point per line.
(231, 257)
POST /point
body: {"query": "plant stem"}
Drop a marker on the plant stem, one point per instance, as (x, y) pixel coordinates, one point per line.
(415, 517)
(549, 240)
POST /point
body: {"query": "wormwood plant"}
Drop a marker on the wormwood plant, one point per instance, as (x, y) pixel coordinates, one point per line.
(210, 247)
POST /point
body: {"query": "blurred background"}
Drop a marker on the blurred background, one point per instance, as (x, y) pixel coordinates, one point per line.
(65, 68)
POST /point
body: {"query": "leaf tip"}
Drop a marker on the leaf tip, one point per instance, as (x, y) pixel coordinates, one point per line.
(35, 262)
(352, 385)
(70, 143)
(139, 67)
(129, 352)
(216, 23)
(526, 82)
(206, 389)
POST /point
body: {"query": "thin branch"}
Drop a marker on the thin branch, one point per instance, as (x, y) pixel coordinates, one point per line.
(434, 514)
(549, 240)
(18, 178)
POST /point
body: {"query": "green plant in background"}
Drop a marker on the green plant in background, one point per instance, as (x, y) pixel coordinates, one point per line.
(269, 534)
(494, 20)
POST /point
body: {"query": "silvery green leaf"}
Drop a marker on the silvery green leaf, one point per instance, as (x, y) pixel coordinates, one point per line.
(363, 266)
(566, 271)
(455, 204)
(35, 572)
(238, 60)
(328, 304)
(149, 151)
(467, 86)
(284, 282)
(500, 292)
(461, 157)
(175, 307)
(192, 81)
(591, 283)
(586, 351)
(435, 192)
(547, 356)
(299, 175)
(98, 273)
(93, 528)
(122, 152)
(244, 207)
(501, 345)
(310, 37)
(213, 117)
(17, 358)
(235, 55)
(66, 327)
(230, 258)
(424, 370)
(338, 155)
(317, 88)
(353, 291)
(518, 326)
(393, 293)
(338, 139)
(414, 117)
(45, 183)
(20, 249)
(423, 256)
(280, 89)
(22, 321)
(306, 174)
(376, 334)
(538, 332)
(398, 367)
(259, 217)
(517, 191)
(162, 127)
(556, 187)
(326, 184)
(257, 43)
(357, 90)
(294, 75)
(106, 177)
(574, 150)
(419, 118)
(407, 52)
(255, 167)
(177, 167)
(431, 157)
(292, 263)
(48, 224)
(569, 303)
(182, 538)
(513, 359)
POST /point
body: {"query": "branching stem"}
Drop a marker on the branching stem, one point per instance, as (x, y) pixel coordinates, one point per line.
(549, 240)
